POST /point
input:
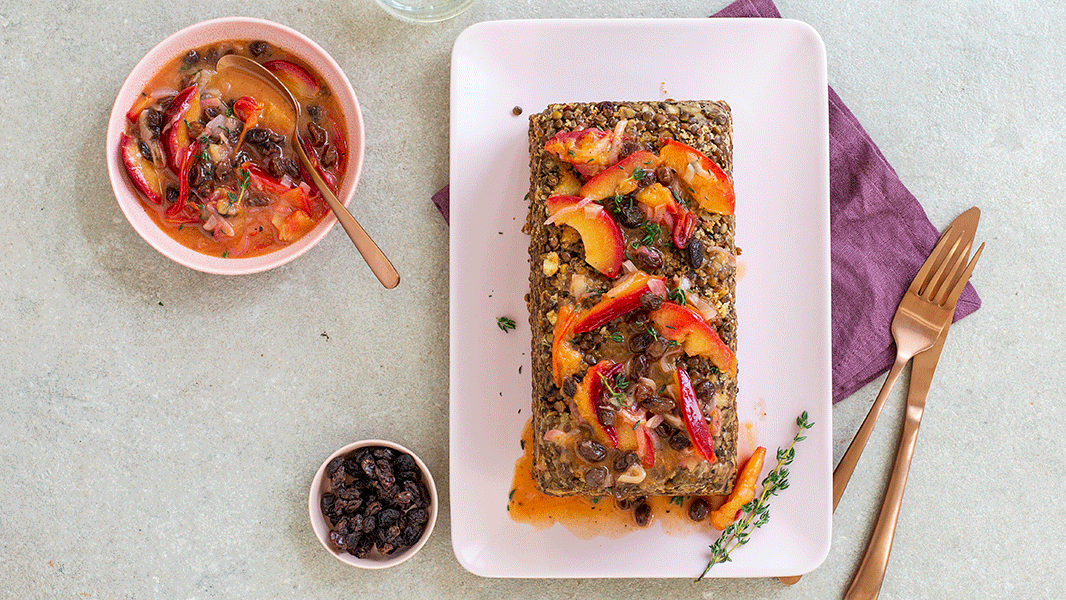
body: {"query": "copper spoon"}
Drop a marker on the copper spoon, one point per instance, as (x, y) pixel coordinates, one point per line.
(375, 258)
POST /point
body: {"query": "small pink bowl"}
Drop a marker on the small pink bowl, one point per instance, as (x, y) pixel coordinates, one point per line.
(376, 560)
(200, 34)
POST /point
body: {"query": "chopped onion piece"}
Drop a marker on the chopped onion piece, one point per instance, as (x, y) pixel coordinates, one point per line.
(579, 286)
(634, 474)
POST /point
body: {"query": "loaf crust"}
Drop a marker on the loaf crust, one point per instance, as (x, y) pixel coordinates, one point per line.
(557, 256)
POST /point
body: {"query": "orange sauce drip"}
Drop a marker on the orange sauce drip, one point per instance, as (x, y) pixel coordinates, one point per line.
(588, 517)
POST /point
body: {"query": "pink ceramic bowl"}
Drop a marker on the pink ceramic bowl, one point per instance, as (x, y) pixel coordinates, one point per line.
(231, 28)
(320, 484)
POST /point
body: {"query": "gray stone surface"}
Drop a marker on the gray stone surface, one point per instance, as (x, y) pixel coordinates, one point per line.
(160, 427)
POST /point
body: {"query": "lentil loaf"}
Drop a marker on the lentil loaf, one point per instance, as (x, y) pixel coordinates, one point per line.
(627, 400)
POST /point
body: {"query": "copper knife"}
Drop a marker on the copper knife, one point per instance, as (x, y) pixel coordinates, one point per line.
(871, 573)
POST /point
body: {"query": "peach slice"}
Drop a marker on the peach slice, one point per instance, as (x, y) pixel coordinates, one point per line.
(296, 78)
(620, 300)
(292, 226)
(603, 240)
(685, 325)
(588, 150)
(138, 107)
(566, 359)
(700, 177)
(622, 177)
(184, 108)
(142, 172)
(590, 396)
(277, 119)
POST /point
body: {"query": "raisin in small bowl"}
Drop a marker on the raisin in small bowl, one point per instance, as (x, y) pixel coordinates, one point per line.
(373, 504)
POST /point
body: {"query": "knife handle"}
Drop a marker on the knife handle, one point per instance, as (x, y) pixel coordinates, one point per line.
(871, 573)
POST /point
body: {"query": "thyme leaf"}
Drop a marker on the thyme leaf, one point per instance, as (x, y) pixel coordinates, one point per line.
(505, 323)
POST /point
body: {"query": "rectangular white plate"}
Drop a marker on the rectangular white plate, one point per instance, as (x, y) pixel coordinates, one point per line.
(772, 73)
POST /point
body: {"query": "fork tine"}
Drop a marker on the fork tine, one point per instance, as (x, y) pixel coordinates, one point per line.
(958, 262)
(963, 278)
(921, 279)
(932, 285)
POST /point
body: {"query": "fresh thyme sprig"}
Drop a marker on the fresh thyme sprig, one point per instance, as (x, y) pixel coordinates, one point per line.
(505, 323)
(756, 513)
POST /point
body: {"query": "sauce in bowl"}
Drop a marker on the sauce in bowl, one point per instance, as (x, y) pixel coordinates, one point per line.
(211, 153)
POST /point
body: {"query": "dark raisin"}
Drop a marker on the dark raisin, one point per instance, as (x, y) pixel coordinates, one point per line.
(223, 171)
(257, 199)
(404, 462)
(315, 112)
(679, 441)
(592, 451)
(329, 155)
(327, 503)
(412, 533)
(352, 540)
(698, 510)
(154, 120)
(365, 546)
(630, 215)
(257, 136)
(639, 343)
(705, 391)
(146, 152)
(210, 113)
(388, 517)
(417, 516)
(642, 393)
(629, 147)
(384, 453)
(658, 405)
(292, 168)
(369, 524)
(624, 461)
(665, 175)
(664, 430)
(607, 416)
(383, 474)
(338, 540)
(596, 477)
(694, 252)
(315, 134)
(258, 48)
(275, 168)
(648, 258)
(647, 179)
(642, 514)
(172, 193)
(191, 58)
(569, 387)
(650, 301)
(639, 366)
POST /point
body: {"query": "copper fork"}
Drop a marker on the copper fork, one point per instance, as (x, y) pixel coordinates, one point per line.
(921, 316)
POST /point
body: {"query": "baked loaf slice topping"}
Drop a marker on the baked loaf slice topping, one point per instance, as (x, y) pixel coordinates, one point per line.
(632, 299)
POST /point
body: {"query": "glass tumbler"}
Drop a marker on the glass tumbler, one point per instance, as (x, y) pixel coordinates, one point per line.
(424, 11)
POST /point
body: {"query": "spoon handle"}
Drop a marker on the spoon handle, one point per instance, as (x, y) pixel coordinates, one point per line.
(372, 254)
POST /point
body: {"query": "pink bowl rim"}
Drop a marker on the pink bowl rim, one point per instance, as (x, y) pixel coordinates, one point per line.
(226, 28)
(318, 520)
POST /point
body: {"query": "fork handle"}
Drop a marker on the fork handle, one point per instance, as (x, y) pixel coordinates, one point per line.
(871, 573)
(842, 474)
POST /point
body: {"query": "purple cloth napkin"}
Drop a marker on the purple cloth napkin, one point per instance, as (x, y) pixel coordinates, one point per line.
(879, 234)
